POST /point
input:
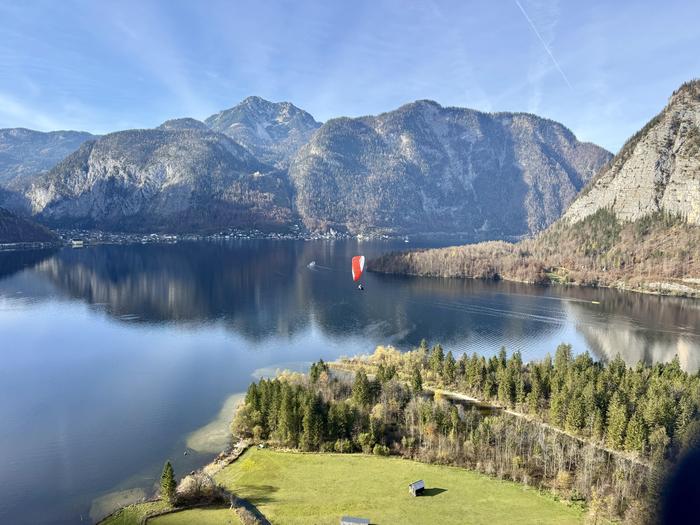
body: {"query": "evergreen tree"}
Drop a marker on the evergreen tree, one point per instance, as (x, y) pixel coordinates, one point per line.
(449, 368)
(598, 425)
(575, 415)
(636, 438)
(533, 398)
(559, 406)
(167, 483)
(562, 358)
(617, 422)
(502, 358)
(312, 425)
(416, 380)
(361, 389)
(287, 426)
(462, 365)
(489, 386)
(386, 373)
(316, 370)
(437, 356)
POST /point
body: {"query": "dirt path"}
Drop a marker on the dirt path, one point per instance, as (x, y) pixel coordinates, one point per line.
(463, 397)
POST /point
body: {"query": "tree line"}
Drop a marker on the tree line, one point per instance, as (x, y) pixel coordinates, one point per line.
(385, 406)
(597, 251)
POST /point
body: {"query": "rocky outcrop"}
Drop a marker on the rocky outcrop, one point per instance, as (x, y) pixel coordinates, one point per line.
(272, 131)
(25, 154)
(174, 178)
(657, 170)
(425, 168)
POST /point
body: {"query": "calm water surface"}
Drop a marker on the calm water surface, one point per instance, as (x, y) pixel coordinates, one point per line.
(116, 358)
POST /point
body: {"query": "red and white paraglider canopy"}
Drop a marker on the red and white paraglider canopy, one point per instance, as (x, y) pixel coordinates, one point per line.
(358, 266)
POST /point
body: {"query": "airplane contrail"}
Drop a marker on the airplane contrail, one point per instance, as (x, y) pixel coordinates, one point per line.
(544, 44)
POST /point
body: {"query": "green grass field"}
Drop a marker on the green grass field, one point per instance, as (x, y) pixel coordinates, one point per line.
(133, 514)
(291, 488)
(294, 489)
(204, 516)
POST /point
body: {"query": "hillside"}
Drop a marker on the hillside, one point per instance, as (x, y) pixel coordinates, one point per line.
(14, 229)
(179, 177)
(25, 153)
(425, 168)
(635, 226)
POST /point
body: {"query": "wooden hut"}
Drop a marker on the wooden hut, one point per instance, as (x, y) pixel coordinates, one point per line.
(350, 520)
(416, 488)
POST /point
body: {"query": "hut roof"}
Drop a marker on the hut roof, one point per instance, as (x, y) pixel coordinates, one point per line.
(417, 484)
(350, 520)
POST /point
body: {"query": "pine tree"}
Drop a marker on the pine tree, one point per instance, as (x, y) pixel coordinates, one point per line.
(533, 398)
(437, 356)
(636, 438)
(416, 380)
(559, 406)
(287, 428)
(598, 425)
(562, 358)
(312, 424)
(575, 415)
(462, 365)
(449, 369)
(617, 422)
(167, 483)
(502, 357)
(316, 370)
(506, 387)
(361, 389)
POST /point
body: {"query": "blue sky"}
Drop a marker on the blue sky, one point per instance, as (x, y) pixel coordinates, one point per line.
(601, 68)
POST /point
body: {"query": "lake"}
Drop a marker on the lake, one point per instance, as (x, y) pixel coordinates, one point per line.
(116, 358)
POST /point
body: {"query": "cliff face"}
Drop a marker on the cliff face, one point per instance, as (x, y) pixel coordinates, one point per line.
(175, 178)
(657, 170)
(425, 168)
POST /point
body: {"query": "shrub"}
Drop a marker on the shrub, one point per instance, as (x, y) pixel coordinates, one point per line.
(380, 450)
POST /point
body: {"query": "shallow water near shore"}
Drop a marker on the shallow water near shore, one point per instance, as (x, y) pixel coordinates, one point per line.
(117, 358)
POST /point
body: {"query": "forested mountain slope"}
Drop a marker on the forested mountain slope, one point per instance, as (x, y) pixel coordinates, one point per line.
(635, 226)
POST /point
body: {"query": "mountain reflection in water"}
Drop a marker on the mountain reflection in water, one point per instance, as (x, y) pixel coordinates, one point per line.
(114, 355)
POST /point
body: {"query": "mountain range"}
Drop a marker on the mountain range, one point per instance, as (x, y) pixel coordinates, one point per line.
(423, 168)
(419, 169)
(636, 225)
(25, 153)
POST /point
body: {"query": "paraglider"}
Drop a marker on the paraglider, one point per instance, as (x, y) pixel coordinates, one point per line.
(358, 267)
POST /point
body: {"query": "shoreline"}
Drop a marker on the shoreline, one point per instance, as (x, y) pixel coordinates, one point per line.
(691, 294)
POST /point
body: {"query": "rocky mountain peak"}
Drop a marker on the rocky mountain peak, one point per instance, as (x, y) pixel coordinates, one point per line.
(658, 169)
(272, 131)
(183, 123)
